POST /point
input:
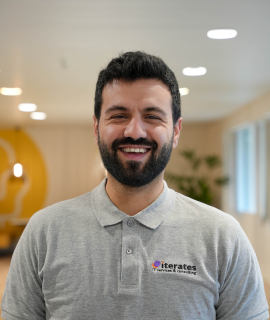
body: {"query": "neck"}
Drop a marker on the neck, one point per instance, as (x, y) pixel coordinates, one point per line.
(131, 200)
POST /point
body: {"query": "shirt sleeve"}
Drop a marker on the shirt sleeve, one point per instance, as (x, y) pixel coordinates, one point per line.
(242, 294)
(23, 297)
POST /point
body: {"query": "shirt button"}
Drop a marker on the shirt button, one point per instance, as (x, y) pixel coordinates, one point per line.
(130, 223)
(129, 251)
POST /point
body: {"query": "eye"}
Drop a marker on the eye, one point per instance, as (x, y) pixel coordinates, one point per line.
(153, 117)
(117, 116)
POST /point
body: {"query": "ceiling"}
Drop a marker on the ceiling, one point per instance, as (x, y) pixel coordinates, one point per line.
(54, 49)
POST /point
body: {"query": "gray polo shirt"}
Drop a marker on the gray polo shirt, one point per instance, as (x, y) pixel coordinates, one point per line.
(177, 259)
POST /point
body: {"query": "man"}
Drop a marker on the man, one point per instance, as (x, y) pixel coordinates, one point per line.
(133, 248)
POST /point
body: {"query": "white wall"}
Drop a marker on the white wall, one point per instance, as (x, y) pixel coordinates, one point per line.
(256, 228)
(72, 160)
(207, 138)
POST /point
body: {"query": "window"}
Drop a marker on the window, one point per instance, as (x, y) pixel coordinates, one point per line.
(245, 170)
(240, 195)
(264, 168)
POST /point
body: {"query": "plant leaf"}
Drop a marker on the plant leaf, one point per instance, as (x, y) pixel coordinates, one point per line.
(212, 161)
(221, 181)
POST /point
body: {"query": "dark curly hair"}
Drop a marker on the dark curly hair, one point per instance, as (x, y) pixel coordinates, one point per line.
(131, 66)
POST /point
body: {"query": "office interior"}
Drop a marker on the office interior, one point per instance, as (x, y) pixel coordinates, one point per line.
(52, 53)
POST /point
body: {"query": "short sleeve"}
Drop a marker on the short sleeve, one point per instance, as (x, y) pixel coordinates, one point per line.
(23, 297)
(242, 294)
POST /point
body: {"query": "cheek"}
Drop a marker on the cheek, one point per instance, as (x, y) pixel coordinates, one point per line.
(160, 135)
(109, 134)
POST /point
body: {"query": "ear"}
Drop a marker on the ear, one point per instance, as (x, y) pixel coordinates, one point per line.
(177, 129)
(96, 130)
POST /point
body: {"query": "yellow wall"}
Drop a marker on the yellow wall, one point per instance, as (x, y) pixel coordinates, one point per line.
(20, 197)
(60, 162)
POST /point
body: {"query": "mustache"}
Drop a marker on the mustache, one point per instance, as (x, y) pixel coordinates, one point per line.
(129, 140)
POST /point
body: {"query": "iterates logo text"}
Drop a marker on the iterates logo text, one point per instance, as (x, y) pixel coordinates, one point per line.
(162, 266)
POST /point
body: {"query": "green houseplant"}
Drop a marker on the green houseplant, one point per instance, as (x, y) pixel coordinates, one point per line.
(195, 185)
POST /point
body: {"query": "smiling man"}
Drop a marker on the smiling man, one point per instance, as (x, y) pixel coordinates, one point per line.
(135, 132)
(133, 248)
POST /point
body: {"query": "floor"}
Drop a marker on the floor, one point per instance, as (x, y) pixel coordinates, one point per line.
(4, 266)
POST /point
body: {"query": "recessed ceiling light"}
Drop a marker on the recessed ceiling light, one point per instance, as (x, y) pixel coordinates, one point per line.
(221, 34)
(27, 107)
(183, 91)
(200, 71)
(38, 115)
(11, 91)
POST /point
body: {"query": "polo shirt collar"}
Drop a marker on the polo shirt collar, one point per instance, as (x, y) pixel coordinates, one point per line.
(152, 216)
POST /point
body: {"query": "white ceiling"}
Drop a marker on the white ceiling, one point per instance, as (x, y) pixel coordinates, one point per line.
(54, 49)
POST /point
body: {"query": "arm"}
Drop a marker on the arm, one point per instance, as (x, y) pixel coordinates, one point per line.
(23, 297)
(241, 294)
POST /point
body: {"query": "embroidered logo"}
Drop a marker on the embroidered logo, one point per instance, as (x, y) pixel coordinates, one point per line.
(161, 266)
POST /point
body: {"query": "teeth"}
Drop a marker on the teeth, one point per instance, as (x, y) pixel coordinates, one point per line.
(137, 150)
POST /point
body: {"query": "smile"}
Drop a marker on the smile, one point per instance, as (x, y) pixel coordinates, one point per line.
(136, 150)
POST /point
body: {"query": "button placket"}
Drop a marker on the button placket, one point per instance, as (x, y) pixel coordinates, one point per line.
(129, 268)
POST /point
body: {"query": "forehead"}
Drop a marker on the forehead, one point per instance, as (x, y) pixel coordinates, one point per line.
(140, 93)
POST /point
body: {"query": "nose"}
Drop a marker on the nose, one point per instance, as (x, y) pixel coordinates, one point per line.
(135, 129)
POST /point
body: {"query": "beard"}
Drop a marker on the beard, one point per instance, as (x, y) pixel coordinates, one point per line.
(134, 173)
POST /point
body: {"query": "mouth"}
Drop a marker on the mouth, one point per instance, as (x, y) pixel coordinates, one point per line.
(134, 150)
(134, 153)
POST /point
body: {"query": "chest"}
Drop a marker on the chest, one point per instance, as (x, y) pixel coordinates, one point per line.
(122, 273)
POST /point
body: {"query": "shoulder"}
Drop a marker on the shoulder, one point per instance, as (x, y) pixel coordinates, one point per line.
(198, 210)
(62, 211)
(204, 217)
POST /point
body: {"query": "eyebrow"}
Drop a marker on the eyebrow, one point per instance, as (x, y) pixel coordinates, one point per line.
(115, 108)
(157, 109)
(148, 109)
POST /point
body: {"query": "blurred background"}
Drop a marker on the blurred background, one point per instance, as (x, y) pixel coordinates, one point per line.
(50, 55)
